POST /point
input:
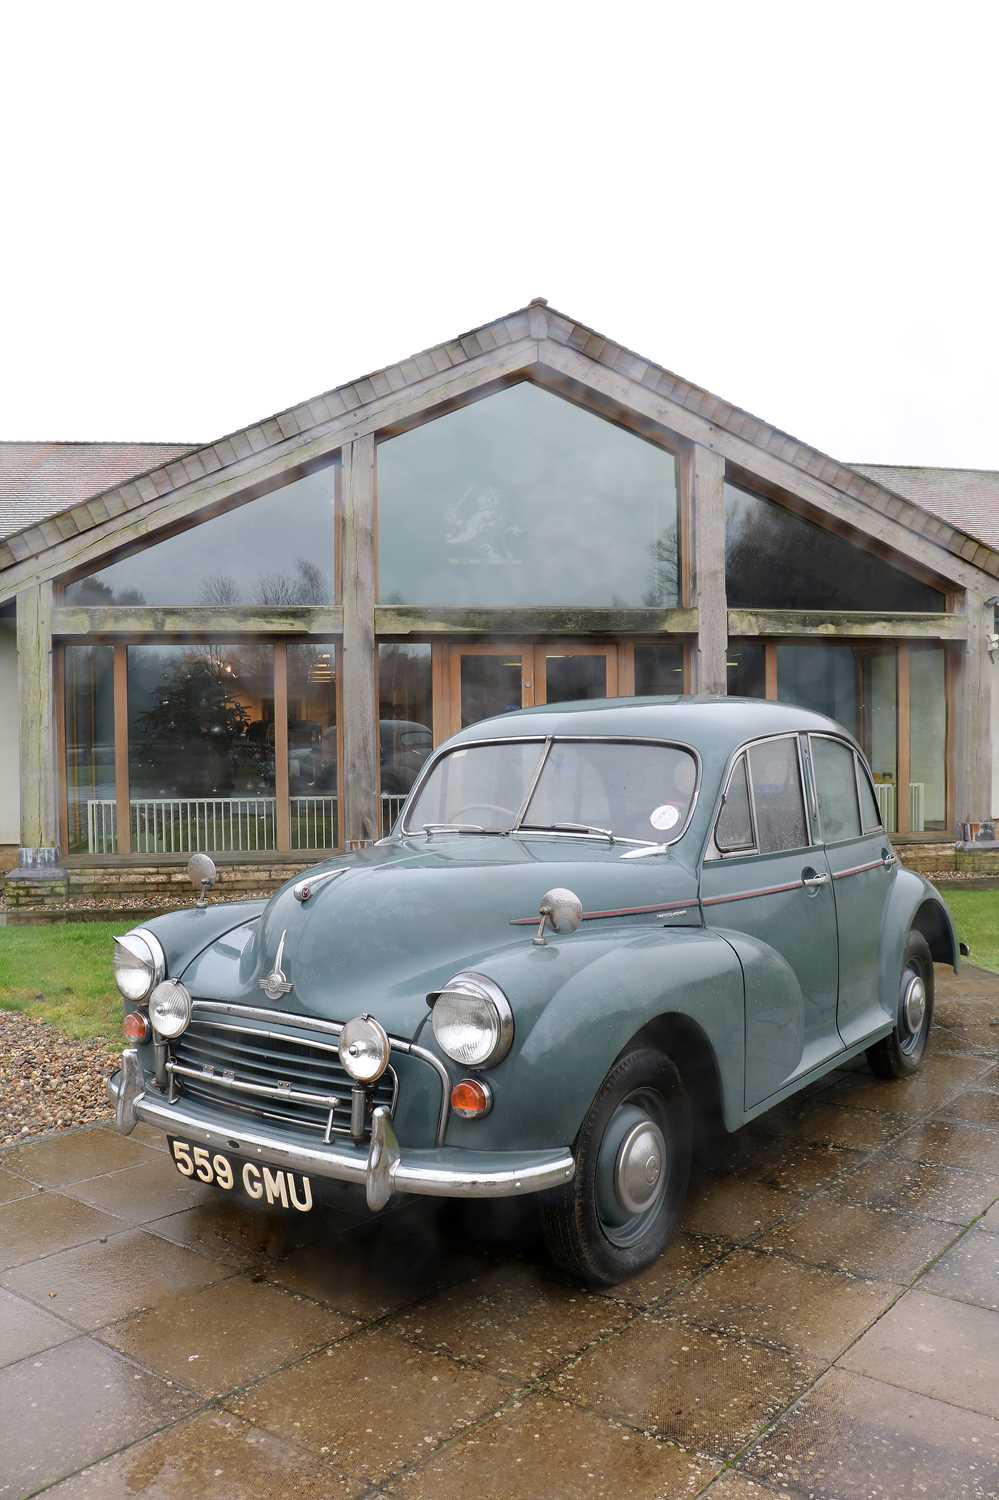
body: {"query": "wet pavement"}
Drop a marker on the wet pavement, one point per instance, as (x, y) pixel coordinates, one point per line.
(826, 1324)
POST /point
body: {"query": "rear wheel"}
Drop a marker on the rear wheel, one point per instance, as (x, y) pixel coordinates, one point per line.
(901, 1052)
(632, 1169)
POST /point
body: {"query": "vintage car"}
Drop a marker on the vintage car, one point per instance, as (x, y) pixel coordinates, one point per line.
(594, 929)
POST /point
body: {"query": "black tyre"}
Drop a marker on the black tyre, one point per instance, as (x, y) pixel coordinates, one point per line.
(901, 1052)
(632, 1169)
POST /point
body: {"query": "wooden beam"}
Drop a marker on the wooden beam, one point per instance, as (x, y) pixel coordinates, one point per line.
(59, 729)
(850, 624)
(359, 672)
(122, 807)
(768, 465)
(707, 510)
(39, 823)
(516, 623)
(770, 671)
(973, 716)
(185, 621)
(903, 773)
(282, 819)
(263, 471)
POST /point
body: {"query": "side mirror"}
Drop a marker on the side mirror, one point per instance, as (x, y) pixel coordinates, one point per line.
(560, 909)
(202, 874)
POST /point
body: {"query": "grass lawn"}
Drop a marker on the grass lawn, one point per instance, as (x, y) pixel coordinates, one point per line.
(976, 917)
(61, 972)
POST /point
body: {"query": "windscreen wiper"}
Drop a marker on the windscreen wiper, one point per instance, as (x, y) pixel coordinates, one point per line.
(606, 833)
(431, 828)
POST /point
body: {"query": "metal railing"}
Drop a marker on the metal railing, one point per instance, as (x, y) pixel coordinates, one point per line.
(222, 825)
(885, 793)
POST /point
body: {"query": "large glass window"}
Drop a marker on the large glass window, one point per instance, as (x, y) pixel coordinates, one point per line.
(405, 715)
(856, 685)
(90, 783)
(524, 498)
(927, 739)
(312, 746)
(201, 748)
(746, 677)
(775, 559)
(277, 550)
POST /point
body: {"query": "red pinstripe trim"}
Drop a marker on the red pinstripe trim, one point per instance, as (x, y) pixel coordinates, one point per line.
(872, 864)
(619, 911)
(766, 890)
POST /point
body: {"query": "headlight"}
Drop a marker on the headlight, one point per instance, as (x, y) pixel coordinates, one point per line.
(170, 1009)
(364, 1049)
(472, 1021)
(139, 964)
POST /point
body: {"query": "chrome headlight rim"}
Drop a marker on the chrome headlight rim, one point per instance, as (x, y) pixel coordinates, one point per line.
(479, 987)
(182, 995)
(364, 1030)
(154, 961)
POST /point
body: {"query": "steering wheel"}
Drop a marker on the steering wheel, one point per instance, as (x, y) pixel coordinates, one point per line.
(504, 812)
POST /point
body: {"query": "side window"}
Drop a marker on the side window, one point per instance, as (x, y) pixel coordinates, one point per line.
(836, 780)
(734, 829)
(780, 811)
(870, 813)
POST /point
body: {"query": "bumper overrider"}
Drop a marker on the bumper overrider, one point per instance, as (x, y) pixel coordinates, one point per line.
(385, 1168)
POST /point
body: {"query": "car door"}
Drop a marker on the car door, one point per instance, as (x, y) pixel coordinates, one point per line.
(863, 868)
(766, 887)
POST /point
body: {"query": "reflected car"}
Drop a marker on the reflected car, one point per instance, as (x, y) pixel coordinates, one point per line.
(596, 931)
(405, 747)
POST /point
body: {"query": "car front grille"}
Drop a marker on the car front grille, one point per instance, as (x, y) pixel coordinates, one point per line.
(291, 1082)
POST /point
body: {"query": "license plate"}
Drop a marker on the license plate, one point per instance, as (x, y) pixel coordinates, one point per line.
(276, 1187)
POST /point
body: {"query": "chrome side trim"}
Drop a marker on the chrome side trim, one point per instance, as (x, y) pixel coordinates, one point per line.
(385, 1168)
(872, 864)
(618, 911)
(763, 890)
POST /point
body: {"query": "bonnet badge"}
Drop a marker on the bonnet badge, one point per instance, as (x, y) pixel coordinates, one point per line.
(274, 985)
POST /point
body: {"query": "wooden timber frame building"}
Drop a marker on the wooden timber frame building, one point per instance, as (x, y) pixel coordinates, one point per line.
(251, 646)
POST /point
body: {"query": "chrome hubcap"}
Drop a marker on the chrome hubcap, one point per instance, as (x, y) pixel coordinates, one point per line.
(914, 1005)
(639, 1166)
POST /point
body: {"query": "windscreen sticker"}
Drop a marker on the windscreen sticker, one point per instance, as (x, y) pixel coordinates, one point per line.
(664, 817)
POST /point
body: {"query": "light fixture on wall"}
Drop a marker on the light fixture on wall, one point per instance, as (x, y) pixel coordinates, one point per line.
(993, 604)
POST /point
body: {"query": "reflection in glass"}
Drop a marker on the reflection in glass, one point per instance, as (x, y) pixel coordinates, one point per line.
(640, 792)
(746, 677)
(928, 739)
(277, 550)
(483, 785)
(489, 685)
(312, 746)
(857, 686)
(522, 497)
(658, 669)
(570, 678)
(201, 748)
(89, 702)
(777, 560)
(405, 721)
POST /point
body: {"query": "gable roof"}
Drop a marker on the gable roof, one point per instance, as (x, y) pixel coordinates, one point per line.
(968, 498)
(38, 480)
(538, 324)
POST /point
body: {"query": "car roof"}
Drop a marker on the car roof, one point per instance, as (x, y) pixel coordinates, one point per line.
(703, 721)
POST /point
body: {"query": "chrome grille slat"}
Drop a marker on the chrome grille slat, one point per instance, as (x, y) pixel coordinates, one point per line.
(248, 1064)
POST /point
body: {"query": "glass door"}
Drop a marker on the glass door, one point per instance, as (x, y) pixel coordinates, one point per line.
(566, 673)
(486, 680)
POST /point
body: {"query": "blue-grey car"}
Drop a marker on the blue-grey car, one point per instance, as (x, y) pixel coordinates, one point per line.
(594, 930)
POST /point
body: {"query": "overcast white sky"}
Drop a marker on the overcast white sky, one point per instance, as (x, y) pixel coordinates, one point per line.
(214, 210)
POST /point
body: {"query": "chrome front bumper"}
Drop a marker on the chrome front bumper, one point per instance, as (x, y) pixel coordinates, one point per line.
(443, 1172)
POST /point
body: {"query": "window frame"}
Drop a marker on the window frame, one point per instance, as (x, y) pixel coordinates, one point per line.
(858, 762)
(756, 853)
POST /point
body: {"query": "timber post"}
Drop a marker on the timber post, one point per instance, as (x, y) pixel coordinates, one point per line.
(359, 793)
(973, 716)
(707, 508)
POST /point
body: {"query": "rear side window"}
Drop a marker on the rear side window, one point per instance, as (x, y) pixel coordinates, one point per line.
(780, 810)
(836, 781)
(870, 812)
(734, 829)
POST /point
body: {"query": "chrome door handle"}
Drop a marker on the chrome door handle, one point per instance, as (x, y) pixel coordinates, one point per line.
(889, 859)
(812, 882)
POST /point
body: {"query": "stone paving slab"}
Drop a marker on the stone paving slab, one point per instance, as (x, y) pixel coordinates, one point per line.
(824, 1325)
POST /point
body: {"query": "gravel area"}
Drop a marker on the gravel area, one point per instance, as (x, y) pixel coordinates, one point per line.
(47, 1080)
(128, 904)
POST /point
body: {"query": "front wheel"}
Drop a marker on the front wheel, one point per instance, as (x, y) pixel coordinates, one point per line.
(901, 1052)
(632, 1169)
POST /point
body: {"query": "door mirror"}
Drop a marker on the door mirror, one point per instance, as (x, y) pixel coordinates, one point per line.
(560, 909)
(202, 873)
